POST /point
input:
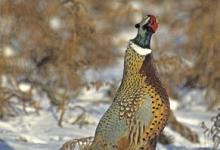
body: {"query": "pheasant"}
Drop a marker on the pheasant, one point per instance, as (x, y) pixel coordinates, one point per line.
(140, 109)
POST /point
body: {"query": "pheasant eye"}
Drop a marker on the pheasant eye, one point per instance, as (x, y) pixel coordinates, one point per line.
(137, 25)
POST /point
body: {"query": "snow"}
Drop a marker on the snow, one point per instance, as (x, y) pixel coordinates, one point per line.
(8, 51)
(108, 74)
(24, 87)
(34, 132)
(55, 23)
(174, 105)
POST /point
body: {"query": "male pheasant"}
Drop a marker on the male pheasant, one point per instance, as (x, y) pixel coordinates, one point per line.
(140, 109)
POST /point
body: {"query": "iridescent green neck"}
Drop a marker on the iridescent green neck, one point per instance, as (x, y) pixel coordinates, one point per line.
(143, 39)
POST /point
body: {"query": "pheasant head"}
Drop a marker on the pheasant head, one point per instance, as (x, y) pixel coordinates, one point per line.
(146, 28)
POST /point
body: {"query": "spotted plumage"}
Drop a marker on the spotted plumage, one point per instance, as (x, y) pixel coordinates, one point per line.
(140, 109)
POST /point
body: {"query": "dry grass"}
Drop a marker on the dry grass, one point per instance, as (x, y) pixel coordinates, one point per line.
(54, 42)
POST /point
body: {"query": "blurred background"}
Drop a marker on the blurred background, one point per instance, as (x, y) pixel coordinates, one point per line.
(65, 57)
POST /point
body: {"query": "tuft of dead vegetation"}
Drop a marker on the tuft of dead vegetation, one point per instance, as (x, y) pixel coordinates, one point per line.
(192, 54)
(204, 42)
(50, 44)
(214, 130)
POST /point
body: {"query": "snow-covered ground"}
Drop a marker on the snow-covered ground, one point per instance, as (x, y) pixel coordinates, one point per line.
(34, 132)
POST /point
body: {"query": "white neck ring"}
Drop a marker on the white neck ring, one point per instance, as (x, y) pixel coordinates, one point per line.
(140, 50)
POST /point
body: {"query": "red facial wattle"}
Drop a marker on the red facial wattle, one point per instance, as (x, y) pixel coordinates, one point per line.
(153, 23)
